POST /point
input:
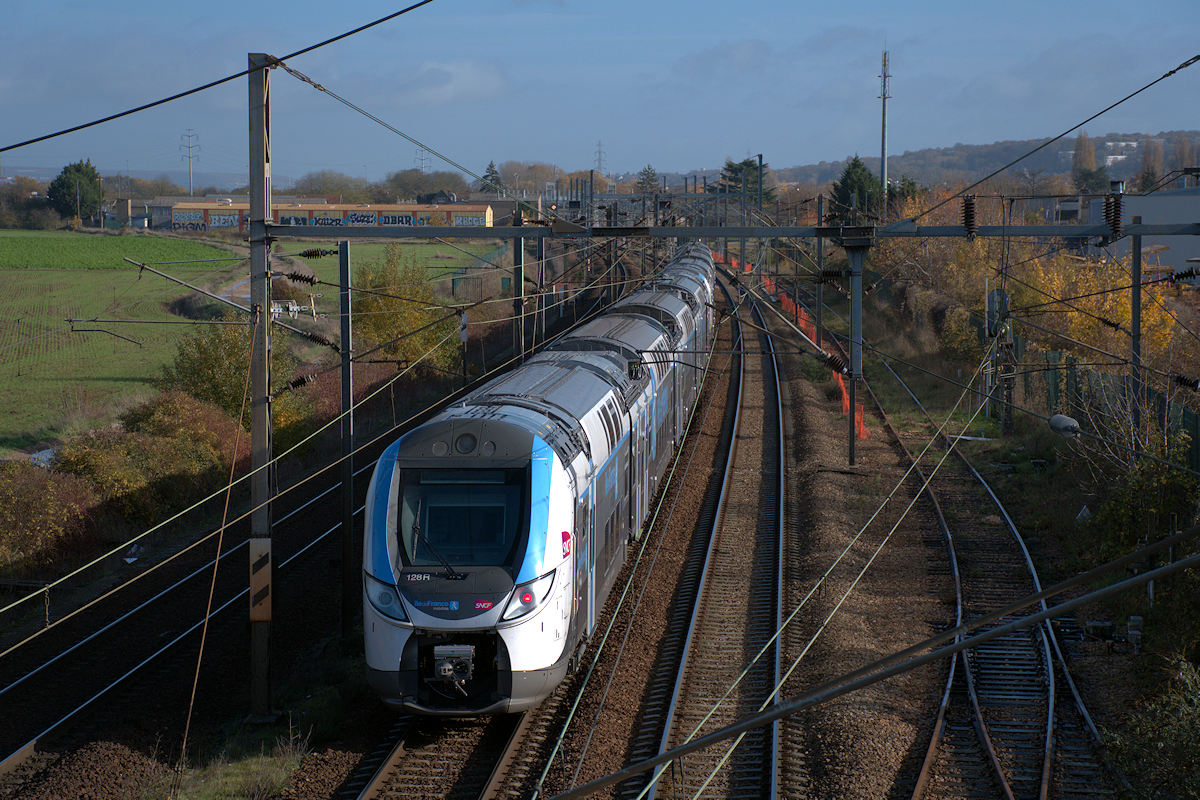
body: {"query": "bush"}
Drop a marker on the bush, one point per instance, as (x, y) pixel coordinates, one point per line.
(959, 338)
(138, 474)
(177, 415)
(1159, 750)
(211, 365)
(1139, 503)
(39, 510)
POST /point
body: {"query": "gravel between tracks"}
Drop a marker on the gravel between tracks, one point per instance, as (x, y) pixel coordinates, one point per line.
(856, 746)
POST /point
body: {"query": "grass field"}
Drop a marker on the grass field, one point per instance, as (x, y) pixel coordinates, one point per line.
(439, 259)
(57, 378)
(54, 380)
(69, 250)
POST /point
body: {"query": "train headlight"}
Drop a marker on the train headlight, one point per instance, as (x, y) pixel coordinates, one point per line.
(385, 598)
(529, 596)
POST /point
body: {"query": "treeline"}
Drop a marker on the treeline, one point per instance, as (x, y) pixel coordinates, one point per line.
(963, 162)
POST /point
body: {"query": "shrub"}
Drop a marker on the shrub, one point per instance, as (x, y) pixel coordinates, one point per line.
(211, 365)
(177, 415)
(139, 474)
(1159, 750)
(1139, 502)
(959, 338)
(39, 510)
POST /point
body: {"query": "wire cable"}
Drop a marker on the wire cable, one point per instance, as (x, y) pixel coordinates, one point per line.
(1049, 142)
(212, 587)
(211, 84)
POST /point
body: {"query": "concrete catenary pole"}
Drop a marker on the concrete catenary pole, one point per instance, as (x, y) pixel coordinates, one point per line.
(262, 564)
(883, 95)
(518, 290)
(351, 582)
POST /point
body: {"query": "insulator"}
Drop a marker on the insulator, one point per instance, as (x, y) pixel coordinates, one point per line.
(319, 339)
(1184, 275)
(1187, 383)
(830, 275)
(1115, 225)
(316, 253)
(968, 216)
(298, 277)
(1108, 210)
(294, 383)
(1116, 326)
(836, 363)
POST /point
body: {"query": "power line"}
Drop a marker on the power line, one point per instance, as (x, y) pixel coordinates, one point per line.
(211, 84)
(1049, 142)
(300, 76)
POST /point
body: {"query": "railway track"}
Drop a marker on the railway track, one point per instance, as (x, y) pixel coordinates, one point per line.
(1011, 722)
(459, 759)
(728, 609)
(61, 686)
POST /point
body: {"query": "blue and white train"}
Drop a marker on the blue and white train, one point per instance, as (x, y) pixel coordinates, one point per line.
(495, 531)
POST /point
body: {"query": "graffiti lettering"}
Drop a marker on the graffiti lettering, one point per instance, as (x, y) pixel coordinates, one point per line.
(189, 226)
(327, 221)
(473, 221)
(360, 218)
(187, 216)
(293, 220)
(399, 219)
(222, 220)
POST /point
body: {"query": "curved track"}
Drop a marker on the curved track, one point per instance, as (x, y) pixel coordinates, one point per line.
(1005, 726)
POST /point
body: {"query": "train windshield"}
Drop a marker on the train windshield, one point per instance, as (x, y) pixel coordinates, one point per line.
(462, 517)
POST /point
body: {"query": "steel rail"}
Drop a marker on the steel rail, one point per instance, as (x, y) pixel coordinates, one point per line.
(1047, 635)
(673, 706)
(12, 759)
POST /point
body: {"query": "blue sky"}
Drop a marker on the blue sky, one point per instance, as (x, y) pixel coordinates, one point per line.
(680, 85)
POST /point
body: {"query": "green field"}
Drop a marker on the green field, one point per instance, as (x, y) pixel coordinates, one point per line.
(55, 380)
(58, 378)
(68, 250)
(438, 259)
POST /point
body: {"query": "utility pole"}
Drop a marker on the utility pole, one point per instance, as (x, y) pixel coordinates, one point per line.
(820, 265)
(760, 181)
(351, 582)
(883, 95)
(1135, 323)
(518, 290)
(189, 147)
(262, 565)
(856, 249)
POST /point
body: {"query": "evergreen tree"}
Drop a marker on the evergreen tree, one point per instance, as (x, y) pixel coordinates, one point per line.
(76, 190)
(736, 174)
(491, 181)
(856, 188)
(900, 192)
(647, 180)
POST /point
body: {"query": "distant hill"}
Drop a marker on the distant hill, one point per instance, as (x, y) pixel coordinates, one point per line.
(1121, 153)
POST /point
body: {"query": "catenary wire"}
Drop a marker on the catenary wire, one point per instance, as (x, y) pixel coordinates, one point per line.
(1049, 142)
(211, 84)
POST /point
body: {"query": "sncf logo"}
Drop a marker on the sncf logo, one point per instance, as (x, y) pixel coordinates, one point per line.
(483, 605)
(566, 543)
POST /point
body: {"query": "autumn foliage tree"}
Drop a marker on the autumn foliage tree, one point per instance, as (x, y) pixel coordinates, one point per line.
(211, 365)
(396, 315)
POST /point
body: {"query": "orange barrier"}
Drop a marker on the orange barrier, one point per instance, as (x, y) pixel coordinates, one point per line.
(860, 423)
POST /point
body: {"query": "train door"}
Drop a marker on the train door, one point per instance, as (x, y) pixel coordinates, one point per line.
(583, 563)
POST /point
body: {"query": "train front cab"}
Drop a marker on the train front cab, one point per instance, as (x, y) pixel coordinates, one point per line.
(468, 579)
